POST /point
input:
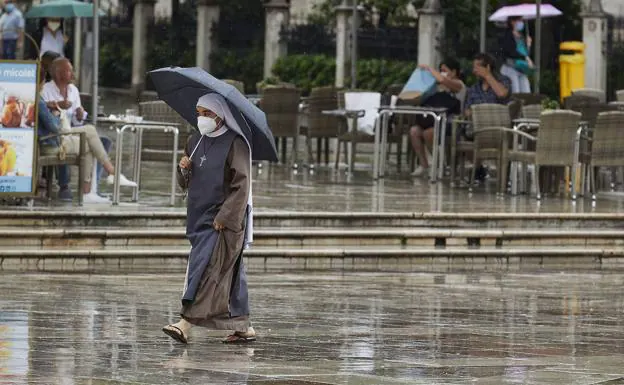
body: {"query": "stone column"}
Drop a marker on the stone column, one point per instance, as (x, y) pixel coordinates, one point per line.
(595, 32)
(143, 15)
(77, 49)
(343, 11)
(207, 19)
(430, 33)
(277, 18)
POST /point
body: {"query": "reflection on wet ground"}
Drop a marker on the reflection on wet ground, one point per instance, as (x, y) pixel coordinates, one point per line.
(480, 328)
(278, 188)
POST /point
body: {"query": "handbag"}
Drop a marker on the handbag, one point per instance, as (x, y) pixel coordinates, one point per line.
(65, 122)
(64, 128)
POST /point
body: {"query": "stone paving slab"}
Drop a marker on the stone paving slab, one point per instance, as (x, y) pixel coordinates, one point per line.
(487, 328)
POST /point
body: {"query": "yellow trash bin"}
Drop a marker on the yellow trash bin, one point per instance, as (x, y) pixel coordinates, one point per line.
(571, 67)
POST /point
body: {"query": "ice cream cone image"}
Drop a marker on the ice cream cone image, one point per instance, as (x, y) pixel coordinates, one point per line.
(8, 157)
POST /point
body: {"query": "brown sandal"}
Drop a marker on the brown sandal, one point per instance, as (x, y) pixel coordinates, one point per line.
(176, 333)
(239, 338)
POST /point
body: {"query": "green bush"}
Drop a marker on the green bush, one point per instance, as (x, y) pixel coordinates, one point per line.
(310, 71)
(615, 69)
(549, 84)
(246, 66)
(116, 58)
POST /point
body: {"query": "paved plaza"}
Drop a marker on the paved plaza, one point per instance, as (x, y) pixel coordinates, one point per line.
(481, 328)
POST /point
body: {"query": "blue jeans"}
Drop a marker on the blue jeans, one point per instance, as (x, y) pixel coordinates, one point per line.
(63, 171)
(9, 49)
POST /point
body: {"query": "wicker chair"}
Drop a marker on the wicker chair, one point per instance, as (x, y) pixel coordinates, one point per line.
(532, 111)
(590, 109)
(619, 95)
(558, 145)
(607, 144)
(281, 106)
(529, 99)
(240, 86)
(515, 109)
(601, 95)
(316, 125)
(491, 121)
(157, 145)
(48, 157)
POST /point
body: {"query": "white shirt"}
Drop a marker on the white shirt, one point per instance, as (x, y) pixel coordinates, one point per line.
(51, 93)
(52, 42)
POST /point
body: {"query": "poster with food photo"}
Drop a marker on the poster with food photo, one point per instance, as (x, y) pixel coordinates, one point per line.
(18, 97)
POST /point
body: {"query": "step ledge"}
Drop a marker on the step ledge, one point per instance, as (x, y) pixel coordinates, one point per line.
(326, 253)
(313, 233)
(322, 215)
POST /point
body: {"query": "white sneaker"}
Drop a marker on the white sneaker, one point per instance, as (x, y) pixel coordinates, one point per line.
(123, 181)
(94, 198)
(420, 171)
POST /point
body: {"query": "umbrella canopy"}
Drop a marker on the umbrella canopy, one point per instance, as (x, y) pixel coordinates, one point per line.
(526, 11)
(61, 9)
(180, 88)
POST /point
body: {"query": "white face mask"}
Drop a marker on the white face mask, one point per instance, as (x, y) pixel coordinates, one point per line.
(54, 25)
(206, 125)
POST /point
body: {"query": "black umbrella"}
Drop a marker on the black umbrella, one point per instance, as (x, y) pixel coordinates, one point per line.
(180, 88)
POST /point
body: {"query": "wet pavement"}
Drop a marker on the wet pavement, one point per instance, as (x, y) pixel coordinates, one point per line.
(279, 188)
(480, 328)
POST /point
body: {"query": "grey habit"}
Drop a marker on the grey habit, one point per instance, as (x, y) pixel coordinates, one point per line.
(215, 290)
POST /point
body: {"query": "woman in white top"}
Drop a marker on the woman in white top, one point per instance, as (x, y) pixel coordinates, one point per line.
(53, 38)
(450, 94)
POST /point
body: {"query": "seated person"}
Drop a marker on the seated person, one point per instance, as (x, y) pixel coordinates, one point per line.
(61, 93)
(492, 87)
(450, 95)
(62, 172)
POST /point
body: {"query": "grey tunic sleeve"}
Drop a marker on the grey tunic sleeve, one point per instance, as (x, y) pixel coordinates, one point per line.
(237, 185)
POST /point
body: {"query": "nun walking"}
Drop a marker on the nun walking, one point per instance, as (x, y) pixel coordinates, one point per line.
(216, 173)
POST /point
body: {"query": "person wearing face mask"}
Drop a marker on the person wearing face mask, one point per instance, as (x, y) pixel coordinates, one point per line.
(216, 173)
(450, 94)
(517, 63)
(12, 27)
(53, 38)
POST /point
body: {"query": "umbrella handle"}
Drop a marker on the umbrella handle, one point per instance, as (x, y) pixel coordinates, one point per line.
(195, 149)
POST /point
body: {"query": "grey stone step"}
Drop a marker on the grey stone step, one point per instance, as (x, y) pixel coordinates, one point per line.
(130, 217)
(310, 237)
(159, 259)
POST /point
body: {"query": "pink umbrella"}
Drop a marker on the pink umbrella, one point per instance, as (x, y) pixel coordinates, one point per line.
(526, 11)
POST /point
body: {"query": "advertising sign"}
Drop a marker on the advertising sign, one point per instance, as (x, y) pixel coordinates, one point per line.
(18, 120)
